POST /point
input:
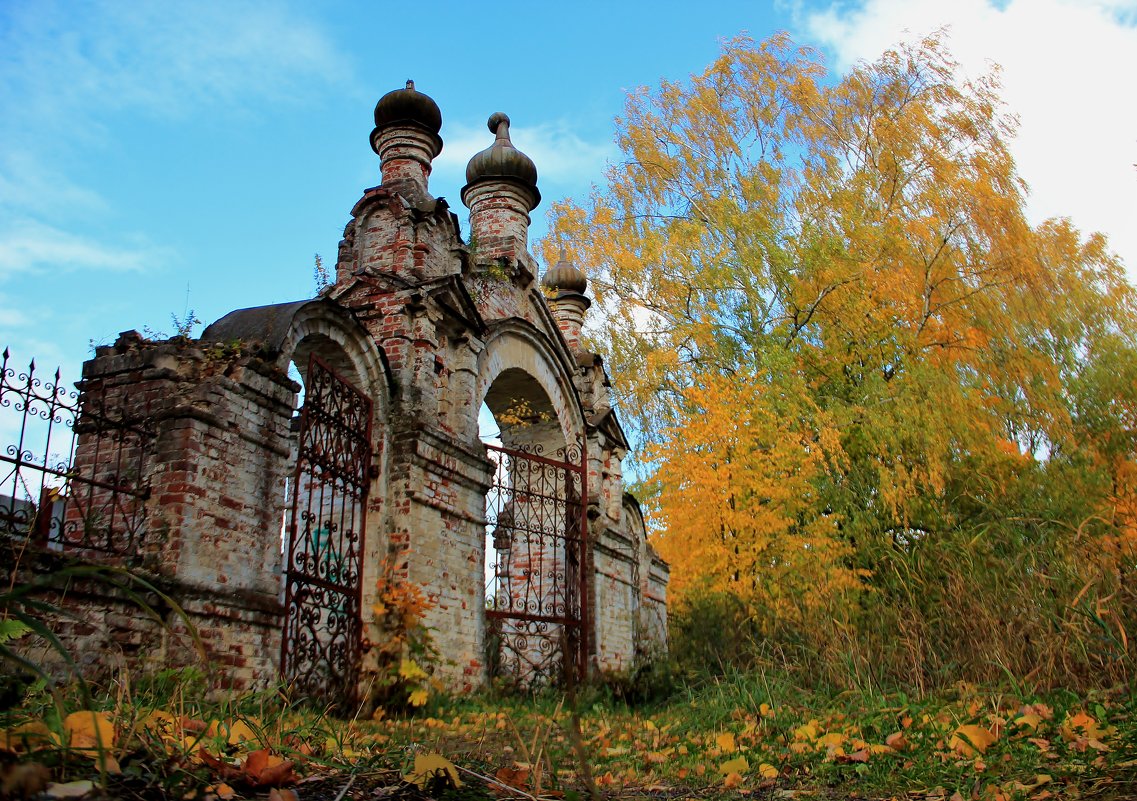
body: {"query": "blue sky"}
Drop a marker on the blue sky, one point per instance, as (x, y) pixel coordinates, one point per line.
(149, 146)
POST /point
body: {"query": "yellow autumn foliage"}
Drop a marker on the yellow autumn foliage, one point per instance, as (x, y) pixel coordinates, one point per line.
(738, 511)
(883, 410)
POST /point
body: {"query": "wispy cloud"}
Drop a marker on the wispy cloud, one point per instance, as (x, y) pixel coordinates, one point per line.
(1066, 68)
(69, 70)
(29, 185)
(68, 64)
(27, 245)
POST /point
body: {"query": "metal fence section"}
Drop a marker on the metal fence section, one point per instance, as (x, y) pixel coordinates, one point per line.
(536, 593)
(323, 561)
(72, 470)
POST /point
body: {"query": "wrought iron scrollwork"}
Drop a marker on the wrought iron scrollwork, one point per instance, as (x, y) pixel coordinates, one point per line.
(534, 597)
(76, 477)
(323, 626)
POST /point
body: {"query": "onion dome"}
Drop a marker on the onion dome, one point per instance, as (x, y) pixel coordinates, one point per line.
(564, 276)
(408, 107)
(502, 160)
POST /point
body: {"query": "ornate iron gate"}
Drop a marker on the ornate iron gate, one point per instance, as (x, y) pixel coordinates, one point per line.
(536, 592)
(323, 626)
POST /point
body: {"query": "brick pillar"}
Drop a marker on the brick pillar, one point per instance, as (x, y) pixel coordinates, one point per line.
(217, 489)
(499, 220)
(565, 285)
(568, 310)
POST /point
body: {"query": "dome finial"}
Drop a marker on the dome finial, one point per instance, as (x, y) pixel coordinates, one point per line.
(498, 124)
(405, 136)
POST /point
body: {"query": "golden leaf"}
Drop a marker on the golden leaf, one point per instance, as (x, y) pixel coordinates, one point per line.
(832, 740)
(25, 737)
(725, 742)
(88, 731)
(970, 740)
(806, 732)
(410, 670)
(240, 732)
(429, 766)
(736, 765)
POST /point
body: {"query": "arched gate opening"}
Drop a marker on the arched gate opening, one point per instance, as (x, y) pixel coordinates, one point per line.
(535, 538)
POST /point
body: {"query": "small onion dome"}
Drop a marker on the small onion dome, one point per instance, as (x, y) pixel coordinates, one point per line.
(408, 107)
(564, 276)
(502, 160)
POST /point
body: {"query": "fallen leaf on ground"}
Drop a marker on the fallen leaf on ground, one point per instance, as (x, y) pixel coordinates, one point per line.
(737, 765)
(970, 740)
(516, 775)
(896, 740)
(88, 731)
(265, 769)
(241, 732)
(25, 737)
(428, 766)
(805, 732)
(70, 789)
(831, 741)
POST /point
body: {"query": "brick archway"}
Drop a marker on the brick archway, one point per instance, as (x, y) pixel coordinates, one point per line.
(536, 528)
(330, 516)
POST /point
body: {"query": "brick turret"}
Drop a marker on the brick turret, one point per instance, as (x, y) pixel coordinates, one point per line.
(500, 191)
(406, 139)
(566, 285)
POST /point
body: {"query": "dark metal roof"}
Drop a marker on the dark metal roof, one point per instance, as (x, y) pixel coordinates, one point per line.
(268, 325)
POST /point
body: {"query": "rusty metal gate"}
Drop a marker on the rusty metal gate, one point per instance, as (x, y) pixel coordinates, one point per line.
(536, 596)
(320, 653)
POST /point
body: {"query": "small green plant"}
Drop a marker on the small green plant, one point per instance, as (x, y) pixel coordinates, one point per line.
(321, 275)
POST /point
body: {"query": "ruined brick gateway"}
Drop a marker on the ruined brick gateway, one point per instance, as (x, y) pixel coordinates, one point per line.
(384, 463)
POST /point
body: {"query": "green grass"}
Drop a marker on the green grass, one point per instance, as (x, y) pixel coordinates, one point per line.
(814, 743)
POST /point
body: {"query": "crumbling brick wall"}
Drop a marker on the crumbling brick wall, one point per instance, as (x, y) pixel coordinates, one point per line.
(430, 326)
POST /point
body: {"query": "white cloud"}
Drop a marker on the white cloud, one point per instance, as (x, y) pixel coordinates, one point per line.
(1067, 70)
(28, 185)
